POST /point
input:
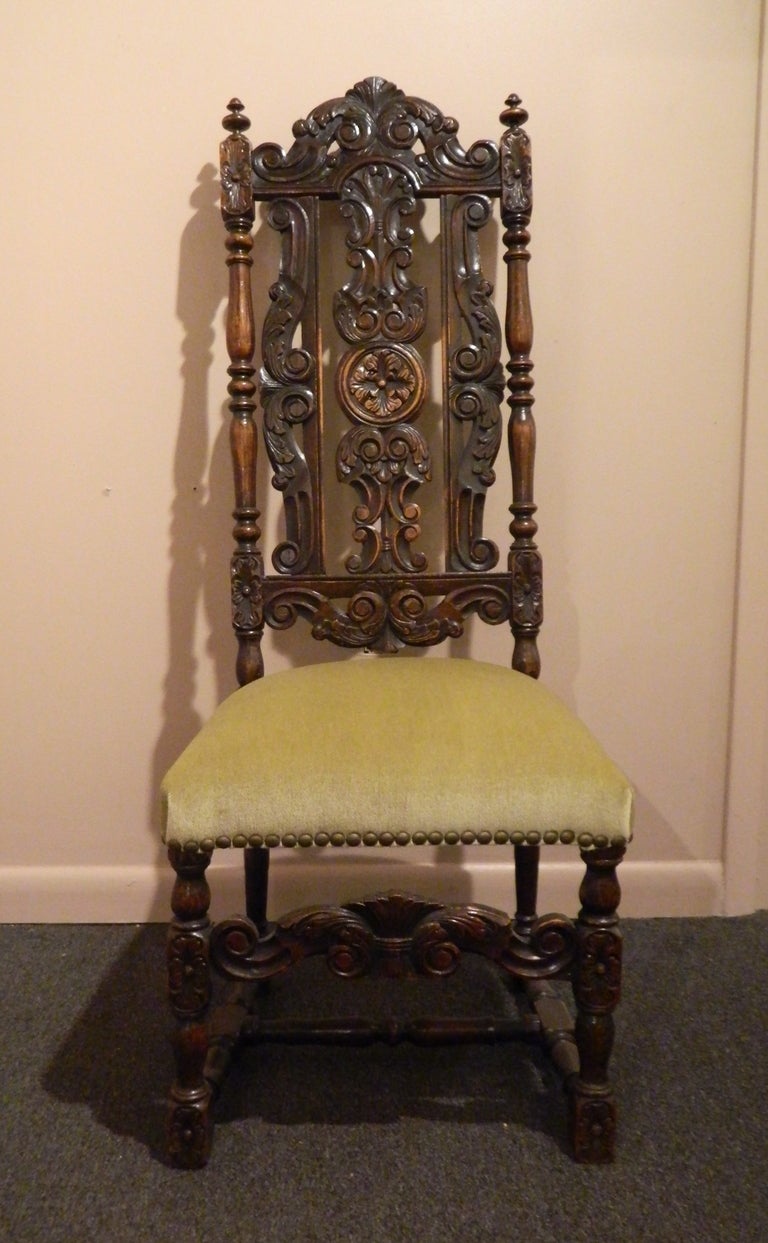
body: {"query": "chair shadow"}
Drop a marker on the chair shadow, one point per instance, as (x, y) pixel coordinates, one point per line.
(103, 1064)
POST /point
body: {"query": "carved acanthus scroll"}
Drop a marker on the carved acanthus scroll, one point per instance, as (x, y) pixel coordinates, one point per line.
(237, 207)
(387, 617)
(375, 119)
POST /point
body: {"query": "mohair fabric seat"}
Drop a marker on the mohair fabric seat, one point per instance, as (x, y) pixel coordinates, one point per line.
(543, 776)
(380, 750)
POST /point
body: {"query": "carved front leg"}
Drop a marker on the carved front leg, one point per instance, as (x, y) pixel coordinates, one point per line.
(597, 989)
(189, 988)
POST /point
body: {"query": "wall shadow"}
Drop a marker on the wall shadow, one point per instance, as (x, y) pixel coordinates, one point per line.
(198, 574)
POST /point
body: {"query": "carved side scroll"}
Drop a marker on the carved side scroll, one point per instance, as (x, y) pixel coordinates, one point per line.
(475, 388)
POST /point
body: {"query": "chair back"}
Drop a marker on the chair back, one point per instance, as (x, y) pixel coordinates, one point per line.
(401, 427)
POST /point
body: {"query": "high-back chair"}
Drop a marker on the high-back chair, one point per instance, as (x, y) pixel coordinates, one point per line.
(380, 750)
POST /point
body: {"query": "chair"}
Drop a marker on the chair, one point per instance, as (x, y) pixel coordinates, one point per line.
(381, 750)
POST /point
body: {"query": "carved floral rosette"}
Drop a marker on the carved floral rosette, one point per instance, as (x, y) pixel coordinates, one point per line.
(597, 984)
(527, 589)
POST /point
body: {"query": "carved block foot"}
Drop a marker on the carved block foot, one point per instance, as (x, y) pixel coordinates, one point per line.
(592, 1124)
(189, 1127)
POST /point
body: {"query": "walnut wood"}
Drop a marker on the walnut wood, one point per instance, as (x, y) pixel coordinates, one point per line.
(226, 1028)
(189, 1122)
(360, 150)
(526, 887)
(392, 934)
(361, 1033)
(246, 566)
(290, 390)
(376, 151)
(374, 121)
(256, 864)
(555, 1025)
(524, 561)
(385, 613)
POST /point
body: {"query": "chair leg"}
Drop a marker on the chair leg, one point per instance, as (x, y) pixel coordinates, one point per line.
(597, 989)
(189, 1124)
(526, 887)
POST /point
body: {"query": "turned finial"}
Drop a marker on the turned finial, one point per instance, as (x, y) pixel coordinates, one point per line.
(514, 114)
(236, 121)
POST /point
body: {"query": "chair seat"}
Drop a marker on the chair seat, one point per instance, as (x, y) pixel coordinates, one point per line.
(422, 751)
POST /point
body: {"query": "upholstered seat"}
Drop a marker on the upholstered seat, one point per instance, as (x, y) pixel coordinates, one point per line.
(451, 724)
(383, 750)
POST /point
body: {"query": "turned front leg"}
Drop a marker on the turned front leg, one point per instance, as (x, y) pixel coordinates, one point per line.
(189, 988)
(597, 990)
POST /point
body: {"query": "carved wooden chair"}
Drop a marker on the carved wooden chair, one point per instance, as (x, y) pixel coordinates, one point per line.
(302, 758)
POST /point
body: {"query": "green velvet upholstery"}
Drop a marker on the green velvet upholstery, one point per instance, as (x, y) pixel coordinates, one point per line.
(382, 751)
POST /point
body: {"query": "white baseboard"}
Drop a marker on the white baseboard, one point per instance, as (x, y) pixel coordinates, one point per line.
(141, 894)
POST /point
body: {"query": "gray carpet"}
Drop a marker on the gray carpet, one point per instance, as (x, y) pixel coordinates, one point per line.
(382, 1145)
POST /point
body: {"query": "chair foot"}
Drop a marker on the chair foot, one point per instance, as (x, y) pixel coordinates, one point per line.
(596, 990)
(592, 1124)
